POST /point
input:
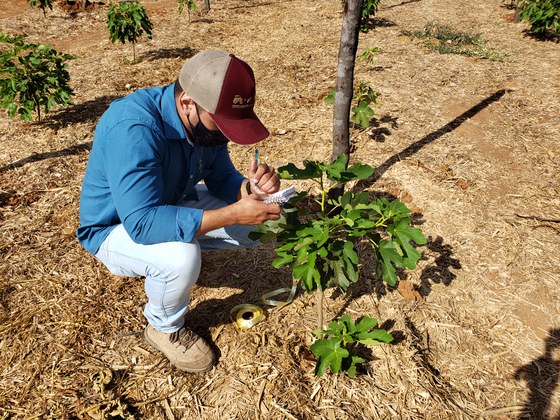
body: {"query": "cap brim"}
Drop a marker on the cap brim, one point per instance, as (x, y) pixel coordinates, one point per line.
(242, 131)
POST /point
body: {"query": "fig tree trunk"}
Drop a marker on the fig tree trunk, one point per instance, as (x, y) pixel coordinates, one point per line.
(345, 82)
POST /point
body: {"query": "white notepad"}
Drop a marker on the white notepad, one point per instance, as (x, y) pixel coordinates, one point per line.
(281, 196)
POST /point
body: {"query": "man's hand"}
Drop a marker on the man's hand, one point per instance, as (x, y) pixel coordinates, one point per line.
(248, 210)
(252, 211)
(263, 178)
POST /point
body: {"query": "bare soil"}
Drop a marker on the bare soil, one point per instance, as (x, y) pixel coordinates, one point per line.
(471, 145)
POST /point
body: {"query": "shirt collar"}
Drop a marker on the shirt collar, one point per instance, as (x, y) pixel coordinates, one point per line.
(172, 124)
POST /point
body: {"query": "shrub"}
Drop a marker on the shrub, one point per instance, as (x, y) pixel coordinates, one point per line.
(41, 4)
(127, 21)
(32, 76)
(336, 347)
(543, 15)
(318, 237)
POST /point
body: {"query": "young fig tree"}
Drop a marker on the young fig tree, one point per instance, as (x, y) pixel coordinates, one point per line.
(32, 77)
(127, 22)
(318, 237)
(542, 15)
(189, 4)
(41, 4)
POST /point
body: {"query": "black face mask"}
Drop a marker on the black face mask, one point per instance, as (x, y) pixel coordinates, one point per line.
(203, 136)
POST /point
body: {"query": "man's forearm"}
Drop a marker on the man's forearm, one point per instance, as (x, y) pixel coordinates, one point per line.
(216, 219)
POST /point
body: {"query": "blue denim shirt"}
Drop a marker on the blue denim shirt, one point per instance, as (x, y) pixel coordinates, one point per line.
(141, 164)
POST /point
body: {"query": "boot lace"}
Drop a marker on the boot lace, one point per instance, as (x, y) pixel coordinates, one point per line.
(183, 338)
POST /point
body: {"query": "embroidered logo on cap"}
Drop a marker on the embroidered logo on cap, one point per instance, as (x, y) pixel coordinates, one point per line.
(240, 102)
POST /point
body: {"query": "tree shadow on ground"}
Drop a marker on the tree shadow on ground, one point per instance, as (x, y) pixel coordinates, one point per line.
(377, 22)
(547, 36)
(36, 157)
(542, 376)
(418, 145)
(421, 344)
(380, 129)
(440, 271)
(182, 53)
(89, 111)
(403, 3)
(247, 6)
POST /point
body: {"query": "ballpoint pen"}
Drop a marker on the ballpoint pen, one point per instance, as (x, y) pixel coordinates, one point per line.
(257, 163)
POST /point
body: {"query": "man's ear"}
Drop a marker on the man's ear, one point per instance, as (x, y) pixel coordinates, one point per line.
(184, 101)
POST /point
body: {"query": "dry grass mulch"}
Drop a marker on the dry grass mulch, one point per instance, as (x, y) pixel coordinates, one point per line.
(470, 144)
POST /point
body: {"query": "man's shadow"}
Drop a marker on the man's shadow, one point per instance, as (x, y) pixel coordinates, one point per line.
(541, 376)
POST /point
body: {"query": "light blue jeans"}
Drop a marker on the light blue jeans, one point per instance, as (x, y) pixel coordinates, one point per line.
(170, 268)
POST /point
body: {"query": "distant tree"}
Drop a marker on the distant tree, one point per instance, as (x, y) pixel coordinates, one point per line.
(32, 77)
(41, 4)
(367, 10)
(127, 21)
(190, 4)
(543, 16)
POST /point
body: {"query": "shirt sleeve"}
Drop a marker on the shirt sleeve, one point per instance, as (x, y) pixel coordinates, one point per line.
(133, 167)
(224, 181)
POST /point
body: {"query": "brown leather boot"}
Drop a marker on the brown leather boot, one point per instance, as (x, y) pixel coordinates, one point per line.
(185, 349)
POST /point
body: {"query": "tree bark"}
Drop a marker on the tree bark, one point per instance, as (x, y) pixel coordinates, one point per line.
(345, 82)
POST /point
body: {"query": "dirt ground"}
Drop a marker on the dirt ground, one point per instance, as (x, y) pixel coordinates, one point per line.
(470, 144)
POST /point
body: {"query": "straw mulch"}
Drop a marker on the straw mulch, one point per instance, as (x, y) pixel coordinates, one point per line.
(471, 145)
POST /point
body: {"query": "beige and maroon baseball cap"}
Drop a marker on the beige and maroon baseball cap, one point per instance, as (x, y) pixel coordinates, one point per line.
(224, 86)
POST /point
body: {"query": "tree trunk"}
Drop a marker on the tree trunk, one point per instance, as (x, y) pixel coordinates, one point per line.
(517, 15)
(345, 82)
(207, 5)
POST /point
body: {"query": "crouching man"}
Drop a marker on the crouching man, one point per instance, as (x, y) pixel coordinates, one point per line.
(143, 210)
